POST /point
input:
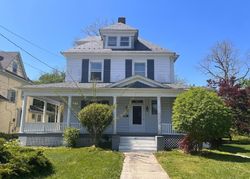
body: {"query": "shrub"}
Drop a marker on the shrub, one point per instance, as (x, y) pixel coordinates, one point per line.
(19, 162)
(96, 117)
(202, 115)
(8, 136)
(70, 136)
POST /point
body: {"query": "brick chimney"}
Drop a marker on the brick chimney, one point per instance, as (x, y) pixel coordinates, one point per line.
(122, 20)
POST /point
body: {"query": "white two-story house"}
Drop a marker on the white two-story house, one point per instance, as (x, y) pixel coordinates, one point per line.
(117, 67)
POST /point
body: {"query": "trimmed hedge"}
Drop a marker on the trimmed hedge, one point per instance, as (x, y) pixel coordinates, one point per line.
(16, 161)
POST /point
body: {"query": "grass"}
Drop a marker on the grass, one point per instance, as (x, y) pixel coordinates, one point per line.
(88, 162)
(221, 164)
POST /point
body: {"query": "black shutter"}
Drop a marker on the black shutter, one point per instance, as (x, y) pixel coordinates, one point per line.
(106, 75)
(150, 69)
(128, 68)
(85, 70)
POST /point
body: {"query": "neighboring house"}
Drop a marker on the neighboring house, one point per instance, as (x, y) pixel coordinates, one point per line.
(117, 67)
(12, 76)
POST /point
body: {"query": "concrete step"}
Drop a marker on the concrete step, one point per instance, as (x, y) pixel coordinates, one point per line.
(137, 138)
(137, 143)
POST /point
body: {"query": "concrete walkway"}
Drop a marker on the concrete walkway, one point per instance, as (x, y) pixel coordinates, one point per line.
(142, 166)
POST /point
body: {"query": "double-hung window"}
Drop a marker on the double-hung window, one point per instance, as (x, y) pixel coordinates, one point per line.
(139, 68)
(112, 41)
(12, 95)
(124, 41)
(95, 71)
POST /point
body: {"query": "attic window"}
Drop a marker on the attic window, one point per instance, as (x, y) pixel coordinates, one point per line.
(124, 41)
(112, 41)
(14, 67)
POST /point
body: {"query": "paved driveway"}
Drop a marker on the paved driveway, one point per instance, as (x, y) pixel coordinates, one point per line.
(142, 166)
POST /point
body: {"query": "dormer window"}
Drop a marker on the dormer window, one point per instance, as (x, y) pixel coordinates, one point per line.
(112, 41)
(95, 71)
(14, 67)
(124, 41)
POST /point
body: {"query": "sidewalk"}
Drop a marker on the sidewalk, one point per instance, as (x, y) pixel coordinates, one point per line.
(142, 166)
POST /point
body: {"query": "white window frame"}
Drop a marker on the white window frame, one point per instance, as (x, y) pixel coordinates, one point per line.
(151, 106)
(133, 67)
(10, 91)
(124, 41)
(96, 61)
(115, 41)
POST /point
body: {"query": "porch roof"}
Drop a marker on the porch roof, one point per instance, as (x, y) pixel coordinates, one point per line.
(72, 85)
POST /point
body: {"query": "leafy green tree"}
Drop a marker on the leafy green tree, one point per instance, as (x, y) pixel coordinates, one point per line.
(51, 77)
(96, 117)
(202, 115)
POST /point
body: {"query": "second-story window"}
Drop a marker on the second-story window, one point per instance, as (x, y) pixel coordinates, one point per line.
(112, 41)
(14, 67)
(139, 69)
(124, 41)
(95, 71)
(12, 95)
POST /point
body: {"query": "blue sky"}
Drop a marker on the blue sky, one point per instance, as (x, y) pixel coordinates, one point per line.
(190, 28)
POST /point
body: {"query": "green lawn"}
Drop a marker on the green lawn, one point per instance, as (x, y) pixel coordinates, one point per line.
(88, 162)
(210, 164)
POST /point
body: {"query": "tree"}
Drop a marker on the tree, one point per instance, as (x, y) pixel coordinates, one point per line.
(93, 29)
(223, 63)
(238, 99)
(96, 117)
(202, 115)
(51, 77)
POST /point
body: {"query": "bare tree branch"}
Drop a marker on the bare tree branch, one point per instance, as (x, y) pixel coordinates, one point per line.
(223, 63)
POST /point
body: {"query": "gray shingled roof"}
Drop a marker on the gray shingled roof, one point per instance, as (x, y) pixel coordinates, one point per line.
(119, 26)
(67, 85)
(95, 44)
(7, 58)
(72, 85)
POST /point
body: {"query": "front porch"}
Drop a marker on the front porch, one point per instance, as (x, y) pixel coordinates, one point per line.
(135, 115)
(39, 128)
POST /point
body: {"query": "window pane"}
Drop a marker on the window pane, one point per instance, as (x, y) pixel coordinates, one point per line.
(96, 66)
(154, 107)
(139, 69)
(124, 41)
(112, 41)
(96, 71)
(14, 67)
(96, 76)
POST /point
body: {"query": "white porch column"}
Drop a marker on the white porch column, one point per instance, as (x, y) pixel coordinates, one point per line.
(23, 116)
(159, 113)
(68, 111)
(115, 114)
(59, 111)
(44, 111)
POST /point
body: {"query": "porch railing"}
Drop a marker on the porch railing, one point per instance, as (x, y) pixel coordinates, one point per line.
(166, 128)
(49, 127)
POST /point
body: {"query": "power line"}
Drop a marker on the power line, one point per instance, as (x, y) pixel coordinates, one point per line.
(41, 61)
(64, 101)
(28, 41)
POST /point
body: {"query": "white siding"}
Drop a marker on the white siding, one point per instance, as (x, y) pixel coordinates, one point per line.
(117, 70)
(162, 70)
(163, 67)
(74, 70)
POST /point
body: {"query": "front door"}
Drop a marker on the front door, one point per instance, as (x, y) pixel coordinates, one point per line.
(137, 123)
